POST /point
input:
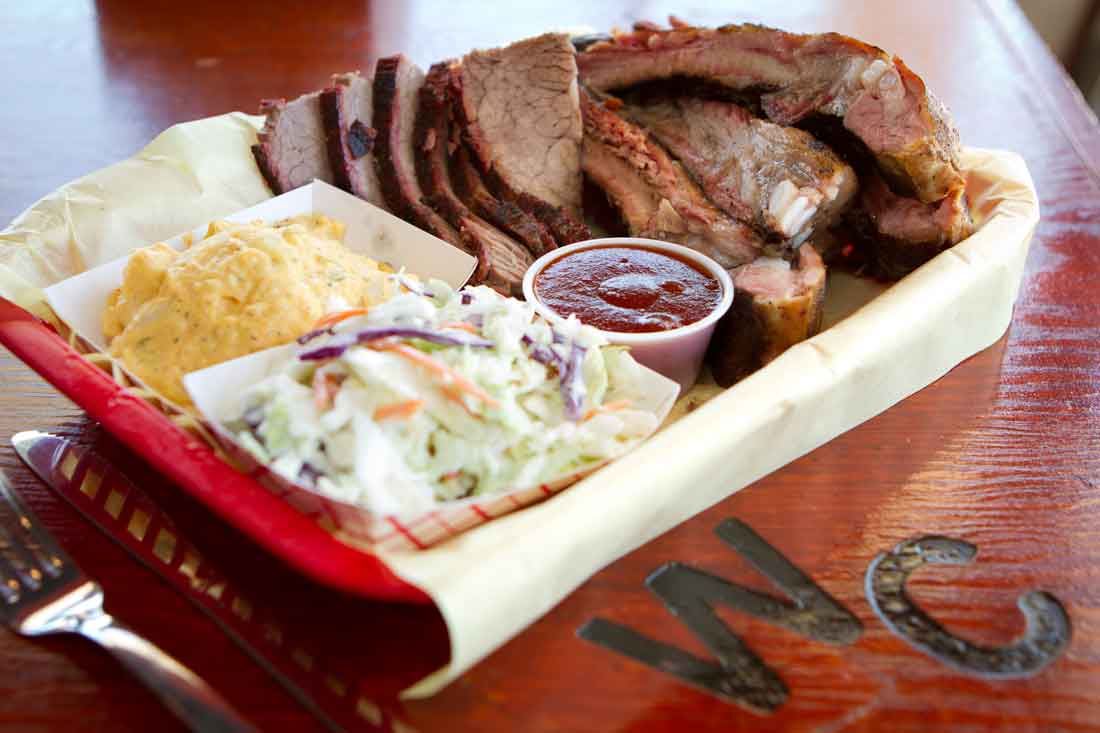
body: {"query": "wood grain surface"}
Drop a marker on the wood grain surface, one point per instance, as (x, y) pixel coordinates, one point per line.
(1003, 452)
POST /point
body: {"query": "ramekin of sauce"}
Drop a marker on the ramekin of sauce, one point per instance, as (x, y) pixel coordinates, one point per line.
(662, 300)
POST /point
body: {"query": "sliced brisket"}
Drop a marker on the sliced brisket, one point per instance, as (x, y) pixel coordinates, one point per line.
(507, 216)
(397, 83)
(900, 234)
(521, 118)
(879, 99)
(503, 261)
(347, 111)
(776, 304)
(291, 149)
(656, 198)
(779, 179)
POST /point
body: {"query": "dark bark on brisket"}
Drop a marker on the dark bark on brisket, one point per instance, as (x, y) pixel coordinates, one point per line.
(267, 168)
(397, 83)
(507, 216)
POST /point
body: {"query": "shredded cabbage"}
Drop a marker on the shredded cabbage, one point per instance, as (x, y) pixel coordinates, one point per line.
(436, 395)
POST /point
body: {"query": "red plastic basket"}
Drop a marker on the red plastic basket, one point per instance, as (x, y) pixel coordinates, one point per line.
(193, 465)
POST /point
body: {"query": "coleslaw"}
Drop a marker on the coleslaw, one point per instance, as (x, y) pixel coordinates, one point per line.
(436, 395)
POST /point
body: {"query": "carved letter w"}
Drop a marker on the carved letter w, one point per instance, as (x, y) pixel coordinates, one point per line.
(689, 594)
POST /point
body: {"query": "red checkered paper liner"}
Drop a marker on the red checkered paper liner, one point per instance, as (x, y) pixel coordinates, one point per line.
(354, 524)
(387, 532)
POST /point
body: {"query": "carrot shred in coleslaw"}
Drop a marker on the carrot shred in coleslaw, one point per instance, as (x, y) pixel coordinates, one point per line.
(445, 373)
(403, 410)
(608, 407)
(333, 318)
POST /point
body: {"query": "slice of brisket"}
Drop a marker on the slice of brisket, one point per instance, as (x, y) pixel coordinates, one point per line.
(880, 100)
(507, 216)
(898, 235)
(291, 149)
(520, 113)
(397, 83)
(656, 198)
(347, 110)
(776, 304)
(780, 179)
(503, 261)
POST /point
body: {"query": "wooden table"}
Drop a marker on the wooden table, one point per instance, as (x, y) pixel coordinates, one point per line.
(1003, 452)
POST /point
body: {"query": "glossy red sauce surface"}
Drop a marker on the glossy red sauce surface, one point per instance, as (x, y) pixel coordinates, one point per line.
(628, 289)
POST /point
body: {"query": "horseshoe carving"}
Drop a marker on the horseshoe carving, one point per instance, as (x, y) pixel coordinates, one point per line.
(1046, 636)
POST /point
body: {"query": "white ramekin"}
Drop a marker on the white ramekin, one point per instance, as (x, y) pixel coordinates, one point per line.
(677, 353)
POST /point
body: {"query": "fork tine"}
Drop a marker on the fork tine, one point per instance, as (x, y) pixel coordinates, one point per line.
(30, 537)
(11, 584)
(14, 577)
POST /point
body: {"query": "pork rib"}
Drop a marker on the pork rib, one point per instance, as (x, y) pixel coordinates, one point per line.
(397, 83)
(656, 198)
(290, 150)
(520, 113)
(776, 304)
(899, 234)
(879, 99)
(347, 111)
(780, 179)
(502, 260)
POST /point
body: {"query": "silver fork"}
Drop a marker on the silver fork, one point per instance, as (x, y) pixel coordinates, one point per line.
(42, 591)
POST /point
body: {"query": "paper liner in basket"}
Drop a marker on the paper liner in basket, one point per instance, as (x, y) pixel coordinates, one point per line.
(216, 392)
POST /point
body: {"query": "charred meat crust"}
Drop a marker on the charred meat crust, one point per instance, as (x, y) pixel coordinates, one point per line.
(265, 162)
(332, 118)
(430, 145)
(396, 85)
(266, 168)
(507, 216)
(566, 227)
(773, 309)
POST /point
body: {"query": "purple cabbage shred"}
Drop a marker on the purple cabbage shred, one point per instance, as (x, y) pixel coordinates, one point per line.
(334, 350)
(414, 288)
(309, 474)
(307, 337)
(572, 383)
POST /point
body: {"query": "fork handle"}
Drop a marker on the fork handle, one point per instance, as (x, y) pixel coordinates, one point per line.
(188, 697)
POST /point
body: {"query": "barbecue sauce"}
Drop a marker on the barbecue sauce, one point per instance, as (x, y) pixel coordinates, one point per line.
(628, 289)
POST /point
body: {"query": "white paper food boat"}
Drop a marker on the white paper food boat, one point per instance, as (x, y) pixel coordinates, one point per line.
(80, 301)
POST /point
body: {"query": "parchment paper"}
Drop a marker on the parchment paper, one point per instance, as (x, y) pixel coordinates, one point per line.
(491, 582)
